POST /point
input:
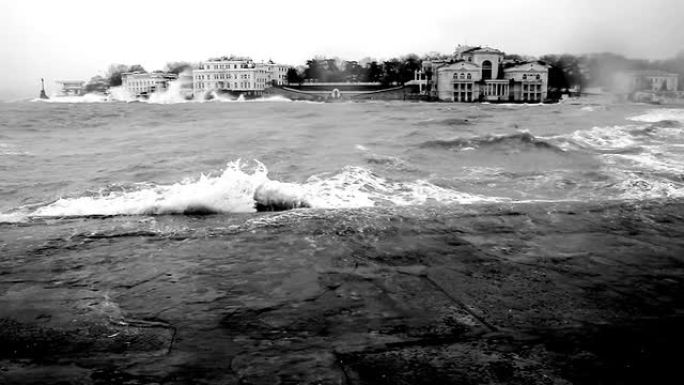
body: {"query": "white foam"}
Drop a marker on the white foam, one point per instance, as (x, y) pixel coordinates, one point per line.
(172, 95)
(87, 98)
(359, 187)
(175, 94)
(593, 108)
(637, 187)
(661, 114)
(16, 217)
(120, 94)
(242, 185)
(650, 160)
(271, 99)
(233, 191)
(601, 138)
(11, 150)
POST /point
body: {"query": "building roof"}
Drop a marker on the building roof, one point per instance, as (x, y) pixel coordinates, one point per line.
(515, 64)
(70, 81)
(163, 75)
(481, 50)
(458, 64)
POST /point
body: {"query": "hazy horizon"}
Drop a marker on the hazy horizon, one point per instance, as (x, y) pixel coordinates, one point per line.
(77, 39)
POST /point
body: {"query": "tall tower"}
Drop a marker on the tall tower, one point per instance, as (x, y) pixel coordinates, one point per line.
(43, 95)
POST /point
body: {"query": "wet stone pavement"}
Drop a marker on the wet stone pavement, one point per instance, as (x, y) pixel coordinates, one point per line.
(571, 293)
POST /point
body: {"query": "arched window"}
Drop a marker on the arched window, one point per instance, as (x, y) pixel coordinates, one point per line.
(469, 76)
(486, 69)
(538, 76)
(524, 76)
(462, 76)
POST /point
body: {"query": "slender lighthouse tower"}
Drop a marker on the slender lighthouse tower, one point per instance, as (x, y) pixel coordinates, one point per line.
(43, 95)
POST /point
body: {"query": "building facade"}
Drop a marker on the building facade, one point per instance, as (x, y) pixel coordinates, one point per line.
(237, 76)
(142, 84)
(653, 80)
(70, 87)
(477, 74)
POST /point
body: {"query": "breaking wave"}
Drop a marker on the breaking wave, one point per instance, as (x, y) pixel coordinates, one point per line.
(175, 94)
(520, 140)
(644, 160)
(599, 139)
(12, 150)
(659, 115)
(87, 98)
(445, 122)
(245, 187)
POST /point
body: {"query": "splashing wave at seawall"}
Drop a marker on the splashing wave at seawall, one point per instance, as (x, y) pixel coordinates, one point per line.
(243, 188)
(175, 94)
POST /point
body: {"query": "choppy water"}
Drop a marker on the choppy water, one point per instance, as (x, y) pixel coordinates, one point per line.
(113, 213)
(73, 170)
(83, 159)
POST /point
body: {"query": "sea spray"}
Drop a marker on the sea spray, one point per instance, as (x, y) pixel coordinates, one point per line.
(244, 187)
(662, 114)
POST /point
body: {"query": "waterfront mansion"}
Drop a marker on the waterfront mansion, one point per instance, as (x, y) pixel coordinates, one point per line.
(236, 76)
(144, 84)
(480, 74)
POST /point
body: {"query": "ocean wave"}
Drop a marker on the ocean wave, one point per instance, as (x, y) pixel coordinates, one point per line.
(173, 95)
(388, 161)
(444, 122)
(593, 108)
(636, 186)
(244, 188)
(512, 141)
(620, 139)
(87, 98)
(661, 114)
(600, 139)
(651, 160)
(16, 217)
(11, 150)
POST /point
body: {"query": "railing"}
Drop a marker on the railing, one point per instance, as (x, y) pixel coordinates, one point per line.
(334, 84)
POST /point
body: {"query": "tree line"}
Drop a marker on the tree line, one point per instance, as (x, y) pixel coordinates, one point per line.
(566, 71)
(113, 77)
(323, 70)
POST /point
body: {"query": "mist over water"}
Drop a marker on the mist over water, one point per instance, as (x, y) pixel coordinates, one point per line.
(86, 156)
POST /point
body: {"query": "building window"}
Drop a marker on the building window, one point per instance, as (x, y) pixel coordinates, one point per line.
(538, 77)
(486, 70)
(469, 76)
(524, 76)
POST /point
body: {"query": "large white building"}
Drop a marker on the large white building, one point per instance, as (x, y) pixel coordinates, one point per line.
(142, 84)
(482, 74)
(648, 80)
(237, 76)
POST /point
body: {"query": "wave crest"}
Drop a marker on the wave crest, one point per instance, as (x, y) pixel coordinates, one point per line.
(244, 187)
(505, 142)
(661, 114)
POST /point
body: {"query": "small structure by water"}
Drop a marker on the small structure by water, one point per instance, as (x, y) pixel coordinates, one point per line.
(141, 84)
(70, 88)
(43, 95)
(341, 91)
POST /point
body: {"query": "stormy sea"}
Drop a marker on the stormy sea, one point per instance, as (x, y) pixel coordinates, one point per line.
(272, 241)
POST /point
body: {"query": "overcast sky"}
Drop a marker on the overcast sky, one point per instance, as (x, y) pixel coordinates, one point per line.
(76, 39)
